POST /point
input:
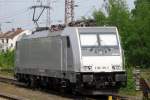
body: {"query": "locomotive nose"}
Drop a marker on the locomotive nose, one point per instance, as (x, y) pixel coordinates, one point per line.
(101, 64)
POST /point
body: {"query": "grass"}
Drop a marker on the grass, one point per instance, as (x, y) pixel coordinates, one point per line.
(7, 73)
(130, 88)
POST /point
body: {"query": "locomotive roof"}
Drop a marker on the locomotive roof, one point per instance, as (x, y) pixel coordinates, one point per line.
(97, 29)
(46, 33)
(40, 34)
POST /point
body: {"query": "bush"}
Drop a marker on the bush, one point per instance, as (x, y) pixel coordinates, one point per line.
(7, 59)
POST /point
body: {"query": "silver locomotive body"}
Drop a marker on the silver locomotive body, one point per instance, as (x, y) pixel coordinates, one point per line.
(65, 59)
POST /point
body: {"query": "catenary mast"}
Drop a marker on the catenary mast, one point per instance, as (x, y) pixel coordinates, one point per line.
(69, 11)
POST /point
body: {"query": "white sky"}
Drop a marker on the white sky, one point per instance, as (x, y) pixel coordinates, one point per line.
(18, 13)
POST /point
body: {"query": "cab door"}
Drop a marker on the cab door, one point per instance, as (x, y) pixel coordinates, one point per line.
(64, 55)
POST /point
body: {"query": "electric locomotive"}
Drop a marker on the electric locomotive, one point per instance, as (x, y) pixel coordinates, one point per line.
(79, 58)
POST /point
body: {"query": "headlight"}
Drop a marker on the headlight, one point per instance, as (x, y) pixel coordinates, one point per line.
(116, 67)
(88, 68)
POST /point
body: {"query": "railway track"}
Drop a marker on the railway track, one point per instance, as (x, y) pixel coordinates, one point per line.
(145, 87)
(10, 97)
(10, 81)
(15, 82)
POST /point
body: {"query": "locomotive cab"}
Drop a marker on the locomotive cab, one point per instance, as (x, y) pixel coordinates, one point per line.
(98, 57)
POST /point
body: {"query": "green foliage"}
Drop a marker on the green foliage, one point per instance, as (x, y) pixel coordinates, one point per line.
(139, 42)
(130, 89)
(99, 17)
(133, 28)
(7, 59)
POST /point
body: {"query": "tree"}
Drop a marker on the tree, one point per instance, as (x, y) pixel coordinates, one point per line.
(133, 28)
(100, 18)
(139, 42)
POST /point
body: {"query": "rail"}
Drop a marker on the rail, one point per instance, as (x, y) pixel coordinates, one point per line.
(109, 96)
(10, 97)
(145, 87)
(11, 81)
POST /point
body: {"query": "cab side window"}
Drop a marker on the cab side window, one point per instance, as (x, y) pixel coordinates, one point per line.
(68, 42)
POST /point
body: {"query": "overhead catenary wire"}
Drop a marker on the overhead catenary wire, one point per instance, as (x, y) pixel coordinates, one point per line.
(17, 15)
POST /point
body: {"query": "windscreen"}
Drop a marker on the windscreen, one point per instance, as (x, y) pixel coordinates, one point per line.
(89, 40)
(108, 40)
(99, 44)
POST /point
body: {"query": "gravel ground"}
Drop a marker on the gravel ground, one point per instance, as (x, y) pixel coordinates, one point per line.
(2, 99)
(28, 93)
